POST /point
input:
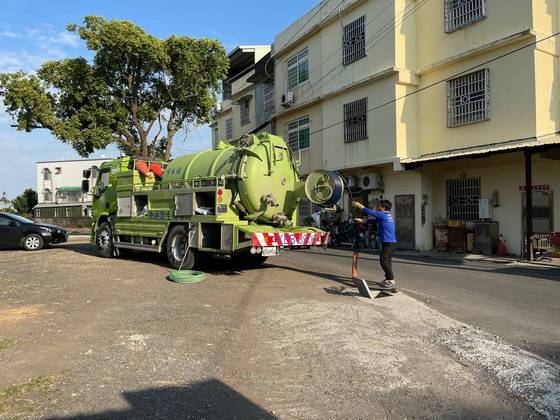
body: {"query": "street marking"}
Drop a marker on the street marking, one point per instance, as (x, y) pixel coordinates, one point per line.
(523, 374)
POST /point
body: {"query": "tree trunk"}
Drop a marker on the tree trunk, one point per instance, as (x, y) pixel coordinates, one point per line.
(170, 135)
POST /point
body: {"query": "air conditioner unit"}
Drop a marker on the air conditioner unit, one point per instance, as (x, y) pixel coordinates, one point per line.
(288, 99)
(371, 181)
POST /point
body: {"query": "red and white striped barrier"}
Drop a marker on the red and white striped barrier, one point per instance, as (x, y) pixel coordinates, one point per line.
(289, 239)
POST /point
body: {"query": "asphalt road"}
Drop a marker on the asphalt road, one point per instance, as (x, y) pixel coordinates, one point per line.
(518, 302)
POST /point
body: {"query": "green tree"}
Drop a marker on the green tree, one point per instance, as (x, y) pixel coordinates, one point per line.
(138, 91)
(25, 202)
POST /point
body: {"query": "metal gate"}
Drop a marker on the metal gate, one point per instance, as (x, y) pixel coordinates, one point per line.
(405, 221)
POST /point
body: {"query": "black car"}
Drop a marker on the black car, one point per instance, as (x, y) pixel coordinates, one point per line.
(19, 232)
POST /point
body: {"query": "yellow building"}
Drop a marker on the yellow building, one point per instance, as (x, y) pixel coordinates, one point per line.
(432, 104)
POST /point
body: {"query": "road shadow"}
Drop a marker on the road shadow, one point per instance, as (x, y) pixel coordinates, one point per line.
(211, 399)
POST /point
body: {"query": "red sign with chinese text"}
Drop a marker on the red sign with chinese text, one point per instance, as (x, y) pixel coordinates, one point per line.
(536, 188)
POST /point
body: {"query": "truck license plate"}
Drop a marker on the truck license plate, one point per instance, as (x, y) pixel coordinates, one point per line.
(270, 251)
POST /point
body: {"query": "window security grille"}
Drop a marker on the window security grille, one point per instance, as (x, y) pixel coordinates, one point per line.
(305, 209)
(468, 99)
(298, 69)
(244, 112)
(462, 199)
(298, 134)
(47, 174)
(354, 41)
(268, 96)
(460, 13)
(355, 121)
(229, 129)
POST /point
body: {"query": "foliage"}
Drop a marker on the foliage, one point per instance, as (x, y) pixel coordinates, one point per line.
(138, 91)
(25, 202)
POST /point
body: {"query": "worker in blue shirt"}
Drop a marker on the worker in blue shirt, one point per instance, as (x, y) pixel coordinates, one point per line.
(386, 231)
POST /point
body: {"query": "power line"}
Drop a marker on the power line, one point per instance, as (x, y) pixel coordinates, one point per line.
(444, 80)
(380, 35)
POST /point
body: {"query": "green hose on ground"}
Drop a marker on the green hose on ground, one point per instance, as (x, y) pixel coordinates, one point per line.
(186, 276)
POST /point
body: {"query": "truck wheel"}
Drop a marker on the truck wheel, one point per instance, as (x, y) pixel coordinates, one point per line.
(33, 242)
(176, 246)
(247, 260)
(104, 239)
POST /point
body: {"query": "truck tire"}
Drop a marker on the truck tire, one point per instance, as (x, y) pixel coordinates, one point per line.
(104, 240)
(246, 260)
(175, 246)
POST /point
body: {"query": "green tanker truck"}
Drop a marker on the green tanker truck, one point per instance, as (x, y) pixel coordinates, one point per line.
(238, 200)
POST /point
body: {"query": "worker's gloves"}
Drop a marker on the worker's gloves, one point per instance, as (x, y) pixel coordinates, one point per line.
(357, 205)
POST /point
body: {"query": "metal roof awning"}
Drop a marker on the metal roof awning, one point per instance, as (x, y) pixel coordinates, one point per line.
(485, 150)
(69, 189)
(53, 205)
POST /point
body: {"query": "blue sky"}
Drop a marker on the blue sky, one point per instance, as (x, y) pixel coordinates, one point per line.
(33, 31)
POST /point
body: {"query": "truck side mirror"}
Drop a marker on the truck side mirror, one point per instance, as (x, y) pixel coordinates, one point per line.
(85, 186)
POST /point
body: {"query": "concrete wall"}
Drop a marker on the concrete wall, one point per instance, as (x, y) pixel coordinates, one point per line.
(512, 104)
(504, 18)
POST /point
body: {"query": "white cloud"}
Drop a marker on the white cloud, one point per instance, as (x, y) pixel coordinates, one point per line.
(46, 36)
(11, 61)
(9, 34)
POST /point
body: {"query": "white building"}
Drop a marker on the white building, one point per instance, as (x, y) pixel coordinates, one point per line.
(59, 188)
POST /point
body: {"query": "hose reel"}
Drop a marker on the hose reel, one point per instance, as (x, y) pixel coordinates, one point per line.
(324, 188)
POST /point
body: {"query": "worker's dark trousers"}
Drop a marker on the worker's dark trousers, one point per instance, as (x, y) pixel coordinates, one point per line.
(386, 259)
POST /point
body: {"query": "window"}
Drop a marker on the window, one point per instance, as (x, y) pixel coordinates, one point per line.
(468, 99)
(47, 176)
(58, 170)
(47, 195)
(229, 128)
(226, 90)
(216, 133)
(355, 121)
(298, 69)
(461, 13)
(462, 199)
(4, 221)
(354, 41)
(298, 134)
(244, 111)
(305, 209)
(268, 96)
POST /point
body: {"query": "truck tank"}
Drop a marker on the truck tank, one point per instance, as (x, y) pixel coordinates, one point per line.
(260, 171)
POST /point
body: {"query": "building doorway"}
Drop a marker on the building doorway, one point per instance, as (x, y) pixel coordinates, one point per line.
(543, 222)
(405, 221)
